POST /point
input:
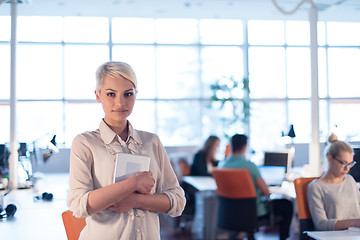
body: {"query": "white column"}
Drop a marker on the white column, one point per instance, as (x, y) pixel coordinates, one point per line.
(246, 72)
(13, 161)
(314, 147)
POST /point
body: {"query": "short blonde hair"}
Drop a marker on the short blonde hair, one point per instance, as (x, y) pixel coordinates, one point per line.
(115, 69)
(335, 146)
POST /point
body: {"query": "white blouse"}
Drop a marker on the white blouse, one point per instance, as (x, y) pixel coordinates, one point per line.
(92, 164)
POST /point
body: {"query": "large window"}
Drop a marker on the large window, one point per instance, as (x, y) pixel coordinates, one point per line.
(280, 80)
(176, 61)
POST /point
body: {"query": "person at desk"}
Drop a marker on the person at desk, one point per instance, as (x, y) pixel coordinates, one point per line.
(334, 199)
(205, 160)
(203, 163)
(281, 207)
(126, 209)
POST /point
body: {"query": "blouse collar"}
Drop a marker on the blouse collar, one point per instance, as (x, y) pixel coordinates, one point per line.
(108, 135)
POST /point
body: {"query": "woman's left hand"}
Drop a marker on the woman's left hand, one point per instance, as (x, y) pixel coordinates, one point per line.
(125, 204)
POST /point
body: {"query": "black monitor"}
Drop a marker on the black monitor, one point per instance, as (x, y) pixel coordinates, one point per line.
(4, 156)
(278, 159)
(355, 170)
(22, 149)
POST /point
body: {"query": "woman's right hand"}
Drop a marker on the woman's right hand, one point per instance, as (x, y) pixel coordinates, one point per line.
(144, 182)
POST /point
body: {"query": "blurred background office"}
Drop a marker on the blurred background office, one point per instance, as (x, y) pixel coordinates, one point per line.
(180, 50)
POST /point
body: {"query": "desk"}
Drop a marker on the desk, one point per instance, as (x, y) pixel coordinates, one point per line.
(334, 235)
(208, 184)
(205, 219)
(286, 190)
(204, 224)
(37, 220)
(201, 183)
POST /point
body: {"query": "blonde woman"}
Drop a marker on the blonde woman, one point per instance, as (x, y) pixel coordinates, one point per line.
(334, 199)
(127, 209)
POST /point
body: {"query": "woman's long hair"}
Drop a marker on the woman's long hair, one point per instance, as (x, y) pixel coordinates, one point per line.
(209, 144)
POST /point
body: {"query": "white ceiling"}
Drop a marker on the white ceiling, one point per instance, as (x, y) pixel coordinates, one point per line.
(329, 10)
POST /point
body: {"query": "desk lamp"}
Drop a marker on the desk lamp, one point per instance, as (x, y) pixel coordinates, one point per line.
(52, 146)
(40, 155)
(292, 135)
(292, 132)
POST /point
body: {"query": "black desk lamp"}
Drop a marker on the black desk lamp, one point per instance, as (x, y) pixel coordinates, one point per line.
(292, 132)
(292, 135)
(53, 147)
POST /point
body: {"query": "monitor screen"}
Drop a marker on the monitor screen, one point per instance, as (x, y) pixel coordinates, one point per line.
(355, 170)
(4, 156)
(277, 159)
(272, 175)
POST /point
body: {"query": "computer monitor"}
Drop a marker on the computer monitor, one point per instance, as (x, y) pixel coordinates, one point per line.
(280, 158)
(22, 149)
(355, 170)
(4, 156)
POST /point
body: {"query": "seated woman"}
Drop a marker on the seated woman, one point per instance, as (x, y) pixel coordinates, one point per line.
(205, 159)
(334, 199)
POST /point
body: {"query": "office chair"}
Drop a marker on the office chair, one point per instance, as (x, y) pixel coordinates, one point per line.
(305, 219)
(182, 168)
(73, 225)
(237, 201)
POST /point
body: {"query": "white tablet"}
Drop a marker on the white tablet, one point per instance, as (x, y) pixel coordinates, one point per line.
(128, 164)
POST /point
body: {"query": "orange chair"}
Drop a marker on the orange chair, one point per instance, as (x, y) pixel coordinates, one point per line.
(185, 168)
(305, 220)
(73, 225)
(237, 200)
(227, 150)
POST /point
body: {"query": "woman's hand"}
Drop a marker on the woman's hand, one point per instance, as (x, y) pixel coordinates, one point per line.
(344, 224)
(125, 204)
(144, 182)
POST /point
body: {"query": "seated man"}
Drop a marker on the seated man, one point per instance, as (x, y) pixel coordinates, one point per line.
(281, 207)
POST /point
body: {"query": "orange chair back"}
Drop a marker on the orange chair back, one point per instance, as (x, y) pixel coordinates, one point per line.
(73, 225)
(301, 197)
(227, 150)
(185, 168)
(234, 183)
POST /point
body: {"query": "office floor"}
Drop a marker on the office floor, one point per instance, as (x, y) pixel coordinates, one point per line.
(169, 232)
